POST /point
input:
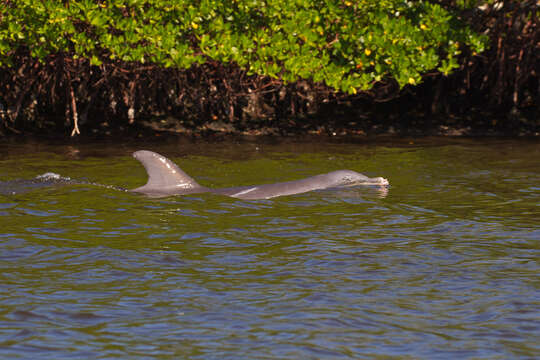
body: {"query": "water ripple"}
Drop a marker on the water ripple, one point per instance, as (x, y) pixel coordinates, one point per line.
(442, 266)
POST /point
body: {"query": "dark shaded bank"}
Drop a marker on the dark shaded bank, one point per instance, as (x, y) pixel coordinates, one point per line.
(496, 92)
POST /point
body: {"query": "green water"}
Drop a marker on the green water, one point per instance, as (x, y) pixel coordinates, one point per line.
(442, 265)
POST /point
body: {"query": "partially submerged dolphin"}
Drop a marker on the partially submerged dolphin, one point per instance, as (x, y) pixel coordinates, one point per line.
(165, 178)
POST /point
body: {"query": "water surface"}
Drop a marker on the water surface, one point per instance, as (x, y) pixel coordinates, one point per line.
(443, 265)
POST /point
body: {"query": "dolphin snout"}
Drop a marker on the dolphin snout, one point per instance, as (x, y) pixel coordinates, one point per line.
(381, 181)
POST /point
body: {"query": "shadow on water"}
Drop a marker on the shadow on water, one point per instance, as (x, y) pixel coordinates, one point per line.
(443, 265)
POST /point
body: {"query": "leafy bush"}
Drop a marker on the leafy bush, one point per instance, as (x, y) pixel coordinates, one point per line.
(347, 45)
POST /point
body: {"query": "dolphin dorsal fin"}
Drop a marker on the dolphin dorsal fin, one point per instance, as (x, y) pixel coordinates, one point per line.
(162, 173)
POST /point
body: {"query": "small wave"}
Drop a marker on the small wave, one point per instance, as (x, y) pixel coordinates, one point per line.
(52, 176)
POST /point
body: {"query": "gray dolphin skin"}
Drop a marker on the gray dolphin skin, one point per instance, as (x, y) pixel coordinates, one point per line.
(165, 178)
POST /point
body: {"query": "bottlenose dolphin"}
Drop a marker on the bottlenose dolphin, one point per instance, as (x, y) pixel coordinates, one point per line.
(165, 178)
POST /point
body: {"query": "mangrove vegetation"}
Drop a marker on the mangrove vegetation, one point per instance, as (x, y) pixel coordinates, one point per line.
(249, 65)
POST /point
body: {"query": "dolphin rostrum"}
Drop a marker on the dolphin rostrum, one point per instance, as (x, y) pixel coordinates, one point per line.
(165, 178)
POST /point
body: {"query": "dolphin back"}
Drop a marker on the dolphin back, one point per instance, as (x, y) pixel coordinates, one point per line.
(164, 176)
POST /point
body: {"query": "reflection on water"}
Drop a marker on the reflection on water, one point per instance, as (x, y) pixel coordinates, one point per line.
(443, 265)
